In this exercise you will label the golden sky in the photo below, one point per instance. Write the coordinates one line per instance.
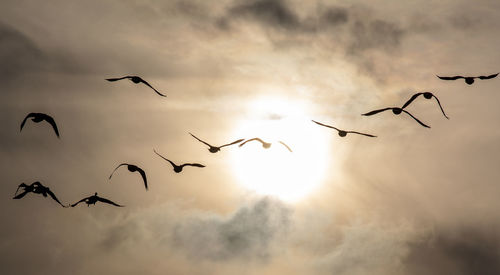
(410, 201)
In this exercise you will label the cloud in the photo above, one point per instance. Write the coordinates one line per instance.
(248, 234)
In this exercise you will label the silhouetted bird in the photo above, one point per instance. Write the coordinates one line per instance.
(133, 168)
(396, 111)
(178, 168)
(38, 117)
(37, 188)
(343, 133)
(136, 80)
(427, 95)
(215, 149)
(93, 199)
(265, 145)
(468, 79)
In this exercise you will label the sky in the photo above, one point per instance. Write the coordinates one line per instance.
(410, 201)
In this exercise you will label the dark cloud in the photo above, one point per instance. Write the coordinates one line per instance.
(248, 234)
(376, 33)
(456, 252)
(334, 16)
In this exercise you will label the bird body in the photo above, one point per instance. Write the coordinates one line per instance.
(133, 168)
(136, 80)
(215, 149)
(39, 117)
(178, 168)
(396, 111)
(93, 199)
(342, 133)
(427, 95)
(37, 188)
(468, 79)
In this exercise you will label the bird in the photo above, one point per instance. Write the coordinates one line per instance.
(265, 145)
(178, 168)
(93, 199)
(342, 133)
(38, 117)
(396, 111)
(37, 188)
(427, 95)
(215, 149)
(136, 80)
(133, 168)
(468, 79)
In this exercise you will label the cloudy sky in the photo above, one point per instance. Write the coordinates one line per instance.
(411, 201)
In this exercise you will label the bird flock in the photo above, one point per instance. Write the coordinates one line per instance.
(38, 188)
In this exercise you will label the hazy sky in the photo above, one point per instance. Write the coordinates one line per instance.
(411, 201)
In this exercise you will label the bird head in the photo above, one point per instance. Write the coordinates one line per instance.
(397, 111)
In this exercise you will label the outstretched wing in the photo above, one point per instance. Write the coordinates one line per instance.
(20, 195)
(116, 169)
(24, 120)
(193, 164)
(143, 175)
(82, 200)
(377, 111)
(55, 198)
(439, 103)
(51, 121)
(201, 140)
(171, 163)
(234, 142)
(108, 201)
(413, 97)
(19, 186)
(354, 132)
(450, 77)
(116, 79)
(287, 147)
(421, 123)
(149, 85)
(328, 126)
(488, 76)
(252, 139)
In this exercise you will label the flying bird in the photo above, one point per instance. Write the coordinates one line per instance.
(178, 168)
(427, 95)
(343, 133)
(37, 188)
(468, 79)
(136, 80)
(133, 168)
(93, 199)
(215, 149)
(396, 111)
(265, 145)
(39, 117)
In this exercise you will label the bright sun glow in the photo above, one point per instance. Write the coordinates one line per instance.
(276, 171)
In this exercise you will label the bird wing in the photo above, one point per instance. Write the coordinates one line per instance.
(116, 79)
(439, 103)
(201, 140)
(108, 201)
(116, 169)
(252, 139)
(82, 200)
(193, 164)
(173, 164)
(413, 97)
(20, 195)
(234, 142)
(143, 175)
(51, 121)
(287, 147)
(149, 85)
(328, 126)
(359, 133)
(421, 123)
(55, 198)
(20, 185)
(488, 76)
(377, 111)
(450, 77)
(24, 120)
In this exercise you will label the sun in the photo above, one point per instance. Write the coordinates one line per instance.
(275, 171)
